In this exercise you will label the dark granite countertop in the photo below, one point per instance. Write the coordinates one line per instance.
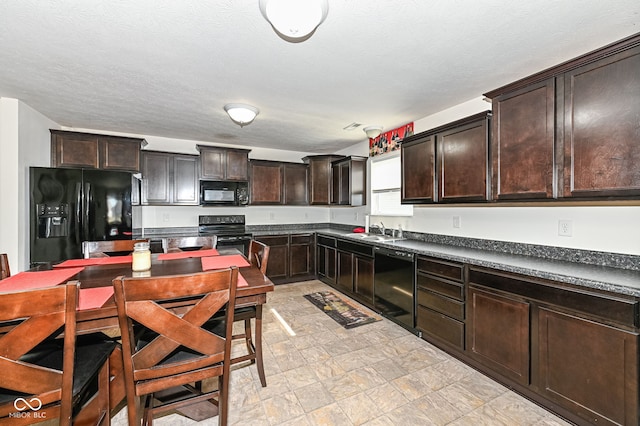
(575, 267)
(617, 280)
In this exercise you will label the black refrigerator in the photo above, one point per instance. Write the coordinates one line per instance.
(69, 206)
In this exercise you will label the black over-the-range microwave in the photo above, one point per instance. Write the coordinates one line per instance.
(223, 193)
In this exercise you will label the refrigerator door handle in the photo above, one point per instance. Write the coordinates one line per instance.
(86, 213)
(78, 219)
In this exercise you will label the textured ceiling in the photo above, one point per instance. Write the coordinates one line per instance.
(166, 67)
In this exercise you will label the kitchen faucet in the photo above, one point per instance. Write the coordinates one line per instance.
(382, 228)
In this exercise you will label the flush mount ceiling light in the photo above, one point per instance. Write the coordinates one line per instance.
(373, 131)
(294, 20)
(241, 114)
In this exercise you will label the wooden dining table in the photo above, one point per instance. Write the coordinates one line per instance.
(105, 316)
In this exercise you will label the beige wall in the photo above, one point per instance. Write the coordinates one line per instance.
(24, 142)
(25, 139)
(605, 228)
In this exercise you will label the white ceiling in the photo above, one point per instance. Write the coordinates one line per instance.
(167, 67)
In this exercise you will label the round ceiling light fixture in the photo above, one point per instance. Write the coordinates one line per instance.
(294, 20)
(241, 114)
(373, 131)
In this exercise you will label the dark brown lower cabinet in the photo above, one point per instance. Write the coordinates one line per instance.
(278, 267)
(363, 278)
(301, 256)
(344, 278)
(498, 333)
(440, 313)
(291, 257)
(346, 266)
(326, 259)
(588, 368)
(572, 349)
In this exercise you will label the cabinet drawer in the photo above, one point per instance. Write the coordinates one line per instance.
(453, 271)
(363, 249)
(280, 240)
(326, 241)
(441, 326)
(446, 288)
(302, 239)
(442, 304)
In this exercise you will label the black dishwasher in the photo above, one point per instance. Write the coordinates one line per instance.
(394, 285)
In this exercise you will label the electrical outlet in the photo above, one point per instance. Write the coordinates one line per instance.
(565, 228)
(456, 222)
(272, 215)
(166, 217)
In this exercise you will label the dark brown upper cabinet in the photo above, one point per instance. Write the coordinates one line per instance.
(169, 179)
(296, 183)
(448, 163)
(418, 158)
(265, 182)
(523, 143)
(349, 181)
(275, 182)
(88, 150)
(218, 163)
(602, 127)
(571, 131)
(320, 178)
(463, 152)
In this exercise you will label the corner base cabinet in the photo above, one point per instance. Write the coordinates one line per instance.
(572, 349)
(588, 367)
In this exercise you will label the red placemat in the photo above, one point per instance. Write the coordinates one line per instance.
(37, 279)
(72, 263)
(242, 282)
(92, 298)
(221, 262)
(186, 254)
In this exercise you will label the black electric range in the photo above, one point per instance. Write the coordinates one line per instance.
(229, 230)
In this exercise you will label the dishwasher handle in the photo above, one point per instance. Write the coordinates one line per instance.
(396, 254)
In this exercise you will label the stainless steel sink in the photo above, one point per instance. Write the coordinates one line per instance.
(373, 237)
(360, 235)
(382, 238)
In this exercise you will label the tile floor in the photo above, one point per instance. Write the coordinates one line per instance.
(375, 374)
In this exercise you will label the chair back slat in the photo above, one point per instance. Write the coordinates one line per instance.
(140, 304)
(28, 319)
(185, 335)
(108, 248)
(4, 266)
(178, 244)
(259, 255)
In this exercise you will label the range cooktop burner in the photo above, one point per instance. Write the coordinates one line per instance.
(222, 225)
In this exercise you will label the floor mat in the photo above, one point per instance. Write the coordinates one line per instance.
(344, 312)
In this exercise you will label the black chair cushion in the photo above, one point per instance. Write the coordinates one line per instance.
(146, 336)
(92, 351)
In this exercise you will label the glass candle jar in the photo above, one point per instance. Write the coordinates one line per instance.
(141, 257)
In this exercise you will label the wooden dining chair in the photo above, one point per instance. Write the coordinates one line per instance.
(45, 377)
(258, 257)
(4, 266)
(108, 248)
(178, 244)
(164, 349)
